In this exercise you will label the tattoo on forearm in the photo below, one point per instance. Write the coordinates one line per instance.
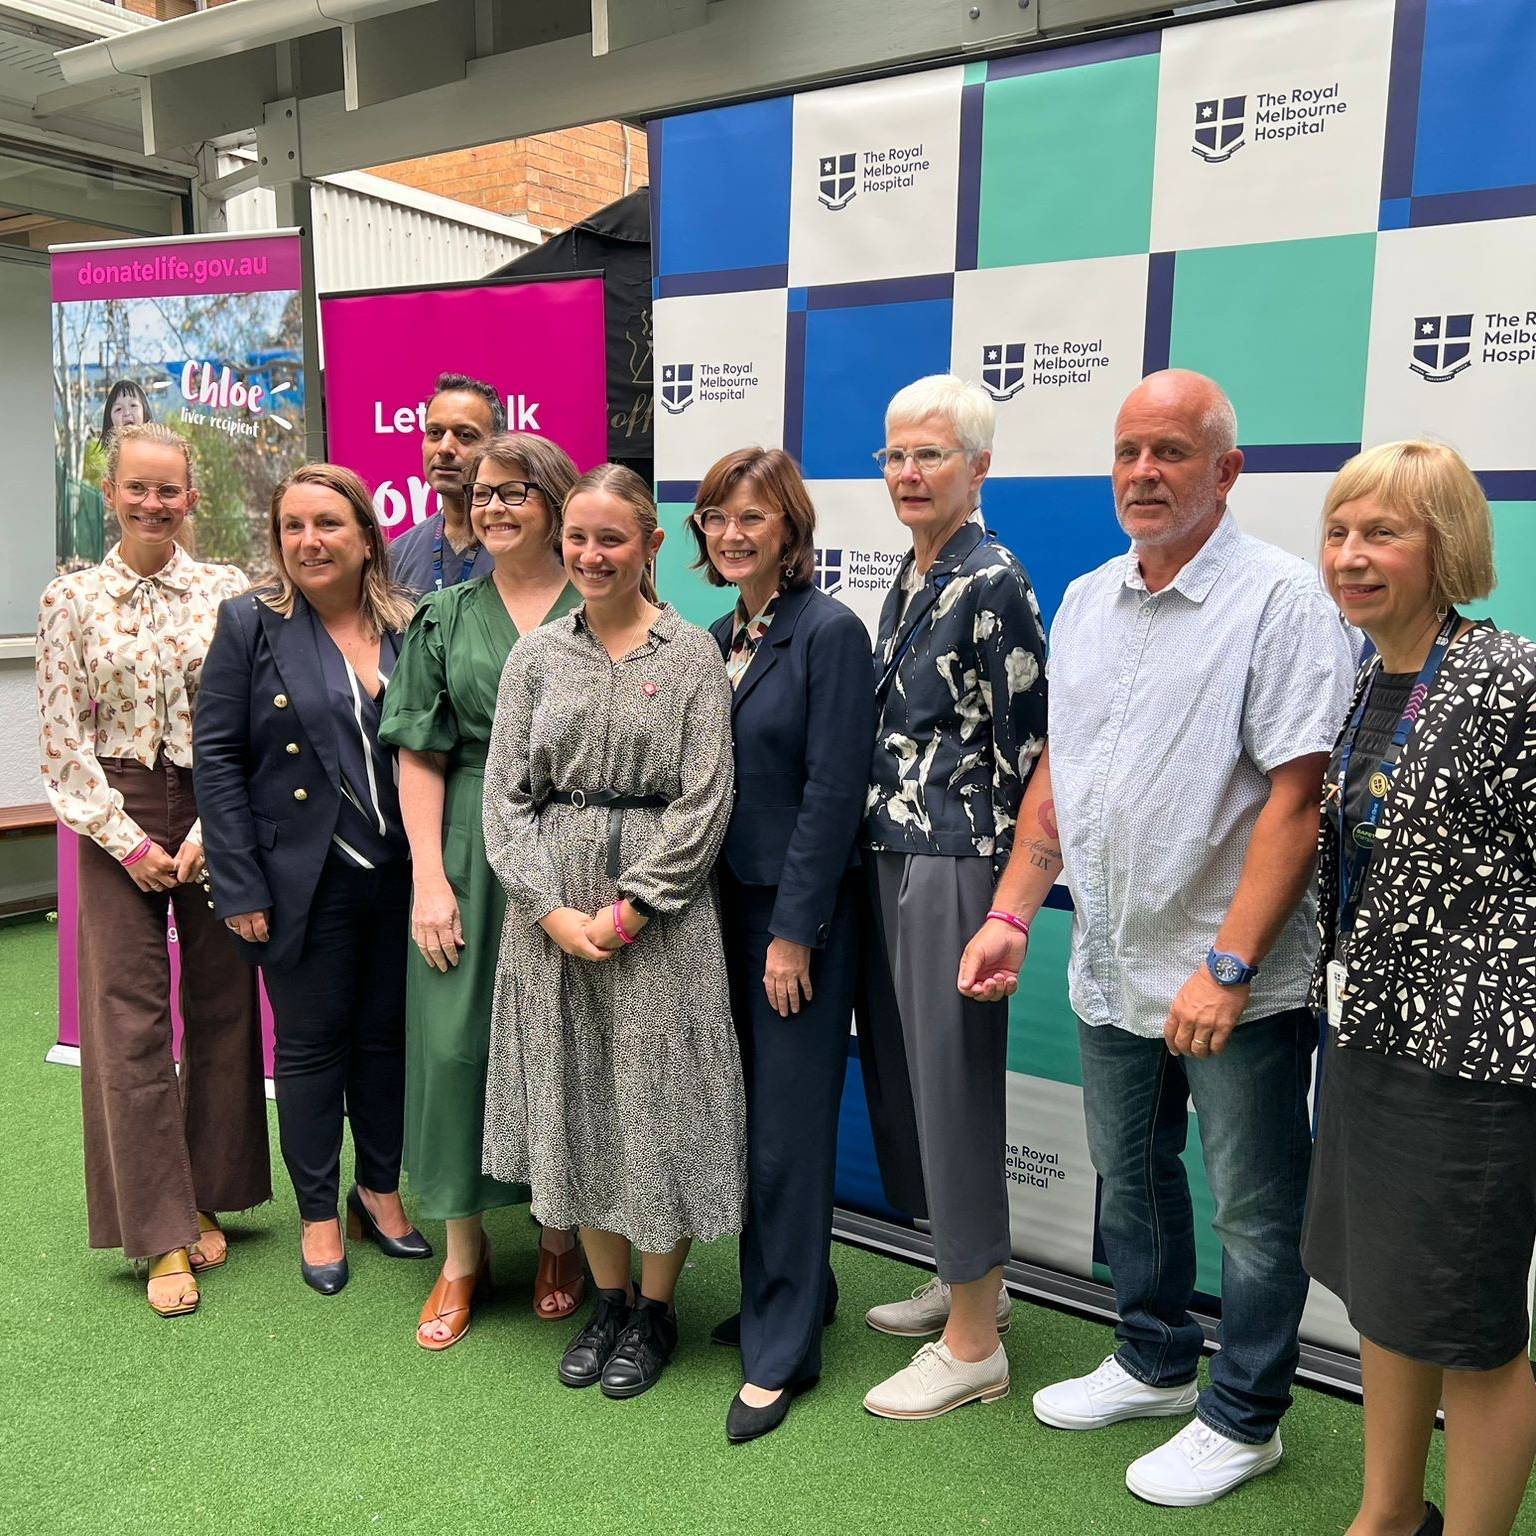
(1045, 852)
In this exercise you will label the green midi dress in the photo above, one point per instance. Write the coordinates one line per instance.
(442, 698)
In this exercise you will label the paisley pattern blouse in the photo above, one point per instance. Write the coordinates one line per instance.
(1441, 961)
(119, 657)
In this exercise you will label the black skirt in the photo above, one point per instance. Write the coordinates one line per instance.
(1421, 1216)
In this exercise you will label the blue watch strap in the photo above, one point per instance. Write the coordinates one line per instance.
(1229, 970)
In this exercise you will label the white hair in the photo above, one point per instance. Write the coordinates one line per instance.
(966, 407)
(1219, 425)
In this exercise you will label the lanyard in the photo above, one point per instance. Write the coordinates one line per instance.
(470, 557)
(1356, 846)
(888, 672)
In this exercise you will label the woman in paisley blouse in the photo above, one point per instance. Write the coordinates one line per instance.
(119, 655)
(1422, 1212)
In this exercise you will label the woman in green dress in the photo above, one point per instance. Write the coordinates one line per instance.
(441, 701)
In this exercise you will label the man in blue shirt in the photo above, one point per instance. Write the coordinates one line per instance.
(1197, 683)
(443, 551)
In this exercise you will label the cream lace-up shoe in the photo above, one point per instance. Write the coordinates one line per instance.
(935, 1382)
(927, 1312)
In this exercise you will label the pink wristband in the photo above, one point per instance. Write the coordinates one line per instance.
(995, 915)
(137, 854)
(618, 924)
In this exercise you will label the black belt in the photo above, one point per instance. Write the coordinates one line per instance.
(616, 805)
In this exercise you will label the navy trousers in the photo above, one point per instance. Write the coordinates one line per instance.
(793, 1071)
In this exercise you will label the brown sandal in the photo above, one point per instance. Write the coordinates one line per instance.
(208, 1222)
(175, 1262)
(559, 1272)
(451, 1302)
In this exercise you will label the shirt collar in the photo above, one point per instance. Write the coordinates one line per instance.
(663, 627)
(959, 544)
(1198, 575)
(759, 621)
(120, 578)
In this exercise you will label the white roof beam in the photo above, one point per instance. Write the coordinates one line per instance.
(624, 23)
(402, 52)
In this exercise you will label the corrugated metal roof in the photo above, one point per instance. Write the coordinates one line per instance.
(363, 241)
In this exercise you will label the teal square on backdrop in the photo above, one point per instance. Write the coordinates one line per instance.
(1513, 604)
(686, 590)
(1284, 328)
(1066, 164)
(1042, 1029)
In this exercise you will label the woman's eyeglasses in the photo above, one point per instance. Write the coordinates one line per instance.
(510, 493)
(713, 521)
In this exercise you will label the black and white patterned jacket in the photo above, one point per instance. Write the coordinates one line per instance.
(962, 707)
(1442, 961)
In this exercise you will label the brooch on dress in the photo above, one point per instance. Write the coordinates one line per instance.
(648, 689)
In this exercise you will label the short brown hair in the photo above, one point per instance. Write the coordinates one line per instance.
(622, 483)
(545, 463)
(776, 478)
(385, 604)
(1432, 484)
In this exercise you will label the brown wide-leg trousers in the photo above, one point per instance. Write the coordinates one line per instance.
(158, 1151)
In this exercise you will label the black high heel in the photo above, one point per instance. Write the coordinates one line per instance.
(360, 1224)
(325, 1278)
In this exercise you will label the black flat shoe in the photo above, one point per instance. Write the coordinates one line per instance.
(745, 1422)
(642, 1351)
(360, 1224)
(1433, 1523)
(728, 1332)
(587, 1354)
(325, 1278)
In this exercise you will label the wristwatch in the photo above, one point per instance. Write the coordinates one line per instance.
(644, 908)
(1229, 970)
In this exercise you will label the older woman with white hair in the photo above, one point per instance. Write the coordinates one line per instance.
(960, 689)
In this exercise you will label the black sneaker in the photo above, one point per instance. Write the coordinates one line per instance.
(587, 1354)
(642, 1351)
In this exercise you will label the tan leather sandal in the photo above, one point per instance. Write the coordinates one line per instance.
(176, 1262)
(208, 1222)
(451, 1302)
(559, 1272)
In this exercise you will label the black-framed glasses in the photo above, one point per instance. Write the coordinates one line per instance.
(927, 458)
(713, 521)
(510, 493)
(139, 490)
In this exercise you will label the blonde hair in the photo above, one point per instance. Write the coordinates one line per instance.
(623, 483)
(166, 437)
(1432, 484)
(384, 603)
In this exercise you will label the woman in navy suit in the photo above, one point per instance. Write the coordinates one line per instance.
(803, 726)
(307, 851)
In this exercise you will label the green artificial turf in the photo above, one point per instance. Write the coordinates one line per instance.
(277, 1410)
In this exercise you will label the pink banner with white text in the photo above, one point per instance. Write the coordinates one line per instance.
(540, 342)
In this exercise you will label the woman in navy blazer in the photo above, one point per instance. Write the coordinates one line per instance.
(306, 850)
(803, 726)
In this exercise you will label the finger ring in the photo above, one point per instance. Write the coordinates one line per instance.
(1202, 1041)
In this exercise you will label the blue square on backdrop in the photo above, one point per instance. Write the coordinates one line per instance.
(725, 191)
(1474, 127)
(1059, 526)
(855, 360)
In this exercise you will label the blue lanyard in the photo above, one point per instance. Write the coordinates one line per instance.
(437, 561)
(1356, 846)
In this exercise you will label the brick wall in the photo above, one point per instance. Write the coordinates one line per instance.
(553, 180)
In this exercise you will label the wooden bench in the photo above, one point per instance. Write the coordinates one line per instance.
(25, 820)
(27, 881)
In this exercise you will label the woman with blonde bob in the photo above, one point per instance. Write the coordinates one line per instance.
(1422, 1211)
(307, 849)
(120, 650)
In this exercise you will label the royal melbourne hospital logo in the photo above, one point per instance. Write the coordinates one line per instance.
(1442, 346)
(1219, 128)
(829, 570)
(676, 387)
(836, 181)
(1002, 368)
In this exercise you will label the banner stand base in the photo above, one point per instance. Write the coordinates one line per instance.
(69, 1056)
(1321, 1367)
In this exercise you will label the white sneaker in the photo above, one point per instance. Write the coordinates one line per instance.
(1106, 1396)
(927, 1312)
(1199, 1465)
(935, 1382)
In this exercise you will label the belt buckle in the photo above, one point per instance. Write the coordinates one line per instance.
(579, 799)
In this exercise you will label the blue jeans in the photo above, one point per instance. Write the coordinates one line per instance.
(1256, 1135)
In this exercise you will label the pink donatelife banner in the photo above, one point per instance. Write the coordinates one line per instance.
(540, 342)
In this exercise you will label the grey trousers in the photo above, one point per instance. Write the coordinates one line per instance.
(956, 1053)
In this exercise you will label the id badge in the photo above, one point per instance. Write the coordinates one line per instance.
(1335, 993)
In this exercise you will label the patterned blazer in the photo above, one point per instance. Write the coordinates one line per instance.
(1442, 961)
(960, 686)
